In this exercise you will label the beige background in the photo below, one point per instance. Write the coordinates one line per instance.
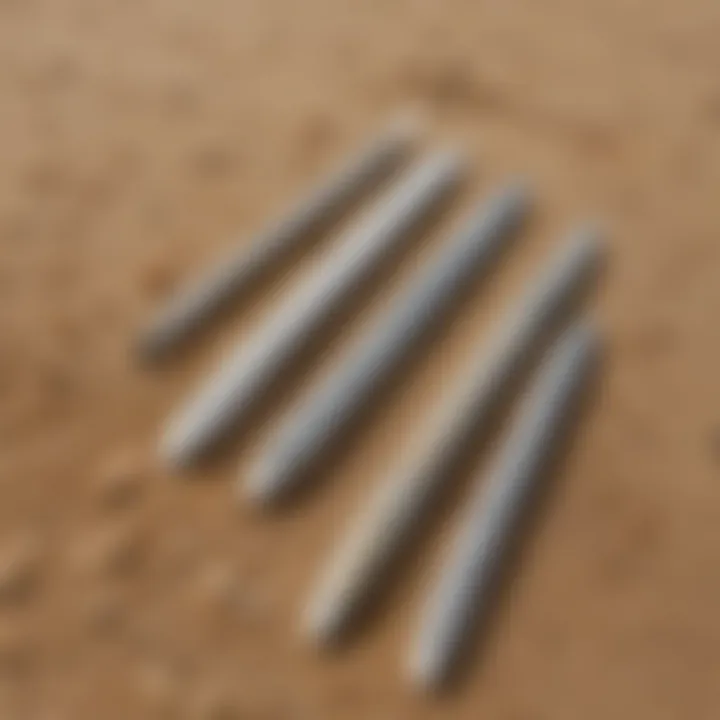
(138, 138)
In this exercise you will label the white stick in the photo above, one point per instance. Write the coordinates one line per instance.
(197, 304)
(475, 557)
(400, 502)
(312, 429)
(255, 366)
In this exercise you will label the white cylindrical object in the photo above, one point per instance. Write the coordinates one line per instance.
(196, 304)
(495, 509)
(315, 426)
(256, 365)
(399, 503)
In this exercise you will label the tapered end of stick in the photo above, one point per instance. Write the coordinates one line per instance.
(147, 350)
(426, 670)
(177, 451)
(190, 435)
(518, 192)
(409, 125)
(589, 237)
(265, 482)
(330, 611)
(319, 626)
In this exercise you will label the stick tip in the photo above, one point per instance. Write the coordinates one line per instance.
(591, 246)
(409, 124)
(452, 157)
(425, 671)
(592, 234)
(263, 482)
(516, 198)
(152, 347)
(176, 448)
(316, 626)
(520, 189)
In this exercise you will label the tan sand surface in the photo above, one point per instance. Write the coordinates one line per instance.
(138, 140)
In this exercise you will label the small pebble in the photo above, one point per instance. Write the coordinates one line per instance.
(104, 613)
(216, 584)
(254, 605)
(20, 564)
(715, 444)
(181, 97)
(180, 551)
(215, 702)
(318, 134)
(213, 161)
(46, 178)
(120, 481)
(158, 686)
(158, 279)
(712, 107)
(15, 647)
(112, 549)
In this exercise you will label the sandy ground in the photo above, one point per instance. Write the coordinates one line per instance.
(140, 138)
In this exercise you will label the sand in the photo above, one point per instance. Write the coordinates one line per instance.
(141, 139)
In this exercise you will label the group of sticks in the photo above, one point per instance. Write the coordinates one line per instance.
(545, 317)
